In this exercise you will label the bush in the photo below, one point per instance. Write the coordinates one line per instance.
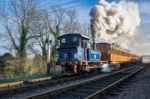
(2, 66)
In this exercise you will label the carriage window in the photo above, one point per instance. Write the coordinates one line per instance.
(84, 43)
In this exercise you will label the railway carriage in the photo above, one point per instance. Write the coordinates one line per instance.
(115, 54)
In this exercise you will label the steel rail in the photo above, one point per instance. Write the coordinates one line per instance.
(62, 89)
(101, 93)
(28, 85)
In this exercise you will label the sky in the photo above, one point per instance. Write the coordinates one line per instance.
(84, 6)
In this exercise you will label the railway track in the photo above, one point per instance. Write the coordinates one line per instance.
(92, 88)
(27, 85)
(136, 88)
(110, 89)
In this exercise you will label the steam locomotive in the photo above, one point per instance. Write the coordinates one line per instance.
(75, 54)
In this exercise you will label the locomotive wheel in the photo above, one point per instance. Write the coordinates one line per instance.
(75, 69)
(64, 69)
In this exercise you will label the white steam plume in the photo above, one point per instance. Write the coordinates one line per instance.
(106, 68)
(114, 22)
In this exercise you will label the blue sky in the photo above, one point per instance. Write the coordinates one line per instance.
(86, 5)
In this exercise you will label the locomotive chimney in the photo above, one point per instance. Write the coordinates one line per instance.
(93, 32)
(94, 45)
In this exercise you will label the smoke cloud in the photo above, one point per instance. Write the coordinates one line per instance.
(115, 22)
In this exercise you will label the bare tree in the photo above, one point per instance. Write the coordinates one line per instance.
(71, 24)
(18, 20)
(50, 26)
(85, 29)
(55, 27)
(41, 28)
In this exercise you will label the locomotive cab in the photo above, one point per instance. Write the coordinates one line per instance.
(73, 40)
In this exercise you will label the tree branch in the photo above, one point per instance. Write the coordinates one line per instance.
(34, 36)
(11, 37)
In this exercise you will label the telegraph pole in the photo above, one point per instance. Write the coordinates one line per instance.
(48, 55)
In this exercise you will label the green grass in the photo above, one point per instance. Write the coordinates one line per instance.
(34, 76)
(53, 73)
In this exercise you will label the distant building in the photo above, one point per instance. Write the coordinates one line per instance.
(146, 58)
